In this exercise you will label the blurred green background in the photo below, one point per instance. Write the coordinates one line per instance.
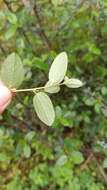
(72, 154)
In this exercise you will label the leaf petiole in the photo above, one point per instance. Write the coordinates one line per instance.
(14, 90)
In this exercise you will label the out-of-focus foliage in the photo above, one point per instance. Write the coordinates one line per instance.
(72, 154)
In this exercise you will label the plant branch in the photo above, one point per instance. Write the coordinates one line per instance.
(8, 5)
(101, 170)
(27, 89)
(42, 32)
(84, 165)
(14, 90)
(3, 50)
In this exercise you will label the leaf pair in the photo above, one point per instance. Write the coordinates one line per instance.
(41, 101)
(57, 73)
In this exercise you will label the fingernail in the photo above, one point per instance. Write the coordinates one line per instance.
(5, 97)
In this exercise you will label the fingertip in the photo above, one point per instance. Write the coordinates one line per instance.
(5, 97)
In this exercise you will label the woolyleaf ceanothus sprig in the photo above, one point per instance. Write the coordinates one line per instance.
(12, 74)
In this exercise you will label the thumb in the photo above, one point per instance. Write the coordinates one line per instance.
(5, 97)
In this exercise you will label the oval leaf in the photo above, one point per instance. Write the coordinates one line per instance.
(105, 163)
(10, 32)
(12, 18)
(72, 82)
(44, 108)
(12, 71)
(62, 160)
(58, 68)
(51, 87)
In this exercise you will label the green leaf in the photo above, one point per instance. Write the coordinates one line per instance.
(15, 183)
(55, 2)
(51, 87)
(66, 122)
(11, 17)
(40, 64)
(12, 71)
(105, 163)
(10, 32)
(104, 90)
(72, 82)
(90, 101)
(3, 157)
(62, 160)
(97, 107)
(30, 136)
(58, 68)
(27, 151)
(77, 157)
(44, 108)
(95, 50)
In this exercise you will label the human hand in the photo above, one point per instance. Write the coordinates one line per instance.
(5, 97)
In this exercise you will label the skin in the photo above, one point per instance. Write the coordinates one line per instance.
(5, 97)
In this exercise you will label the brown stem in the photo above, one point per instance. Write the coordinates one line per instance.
(84, 165)
(42, 33)
(3, 50)
(27, 39)
(8, 5)
(101, 170)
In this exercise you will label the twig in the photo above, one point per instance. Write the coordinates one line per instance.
(8, 5)
(42, 32)
(27, 89)
(14, 90)
(84, 165)
(101, 170)
(27, 40)
(3, 50)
